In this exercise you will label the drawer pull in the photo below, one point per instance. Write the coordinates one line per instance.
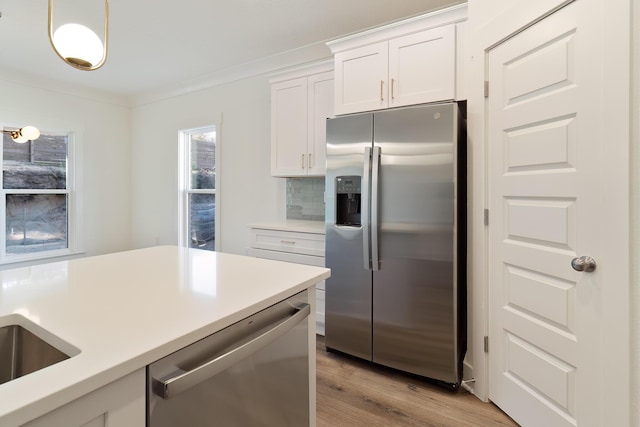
(289, 242)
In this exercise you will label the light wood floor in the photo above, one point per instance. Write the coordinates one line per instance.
(352, 392)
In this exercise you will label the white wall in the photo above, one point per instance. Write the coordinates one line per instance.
(247, 192)
(102, 126)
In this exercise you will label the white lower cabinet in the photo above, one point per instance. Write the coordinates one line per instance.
(118, 404)
(292, 246)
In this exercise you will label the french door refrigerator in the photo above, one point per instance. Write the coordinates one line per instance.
(395, 239)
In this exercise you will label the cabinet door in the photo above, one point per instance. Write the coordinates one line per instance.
(361, 79)
(289, 128)
(120, 403)
(422, 67)
(320, 107)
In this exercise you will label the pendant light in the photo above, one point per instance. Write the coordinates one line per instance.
(79, 46)
(22, 135)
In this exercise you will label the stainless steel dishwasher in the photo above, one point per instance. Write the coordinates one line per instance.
(252, 373)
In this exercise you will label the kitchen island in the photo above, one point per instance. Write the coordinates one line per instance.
(115, 314)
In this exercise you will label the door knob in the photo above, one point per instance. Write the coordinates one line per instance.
(583, 263)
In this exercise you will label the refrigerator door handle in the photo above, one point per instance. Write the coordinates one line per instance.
(375, 167)
(366, 182)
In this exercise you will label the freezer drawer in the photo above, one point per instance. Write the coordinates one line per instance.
(252, 373)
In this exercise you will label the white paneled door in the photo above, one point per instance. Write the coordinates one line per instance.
(545, 137)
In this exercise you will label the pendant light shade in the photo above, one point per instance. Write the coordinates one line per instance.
(30, 132)
(79, 46)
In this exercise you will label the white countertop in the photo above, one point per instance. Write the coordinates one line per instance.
(296, 225)
(128, 309)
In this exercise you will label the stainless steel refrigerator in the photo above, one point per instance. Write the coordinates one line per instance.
(395, 239)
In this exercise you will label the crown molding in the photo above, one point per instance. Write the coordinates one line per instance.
(303, 70)
(300, 58)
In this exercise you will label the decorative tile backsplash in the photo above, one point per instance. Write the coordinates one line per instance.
(305, 199)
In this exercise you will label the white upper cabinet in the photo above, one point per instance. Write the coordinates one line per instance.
(406, 63)
(361, 76)
(320, 108)
(289, 127)
(422, 67)
(299, 109)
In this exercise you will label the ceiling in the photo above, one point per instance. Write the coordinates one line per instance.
(156, 44)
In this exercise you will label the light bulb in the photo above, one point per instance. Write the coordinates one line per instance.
(78, 44)
(30, 132)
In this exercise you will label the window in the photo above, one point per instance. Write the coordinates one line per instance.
(198, 188)
(37, 185)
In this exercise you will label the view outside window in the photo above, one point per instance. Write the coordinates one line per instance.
(200, 194)
(36, 196)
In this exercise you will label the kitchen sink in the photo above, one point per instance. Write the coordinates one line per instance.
(23, 352)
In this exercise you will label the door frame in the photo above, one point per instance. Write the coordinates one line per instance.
(513, 18)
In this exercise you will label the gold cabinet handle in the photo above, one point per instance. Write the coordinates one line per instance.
(302, 163)
(381, 85)
(288, 242)
(310, 163)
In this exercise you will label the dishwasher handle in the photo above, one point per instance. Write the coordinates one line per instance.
(170, 387)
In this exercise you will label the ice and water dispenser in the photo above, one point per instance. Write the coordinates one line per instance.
(348, 201)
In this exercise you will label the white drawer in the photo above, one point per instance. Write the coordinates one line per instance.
(318, 261)
(288, 241)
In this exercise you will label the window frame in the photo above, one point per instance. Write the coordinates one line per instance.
(72, 193)
(184, 184)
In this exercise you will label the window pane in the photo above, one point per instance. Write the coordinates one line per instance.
(36, 222)
(39, 164)
(203, 161)
(202, 225)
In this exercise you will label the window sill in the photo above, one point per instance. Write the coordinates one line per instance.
(16, 259)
